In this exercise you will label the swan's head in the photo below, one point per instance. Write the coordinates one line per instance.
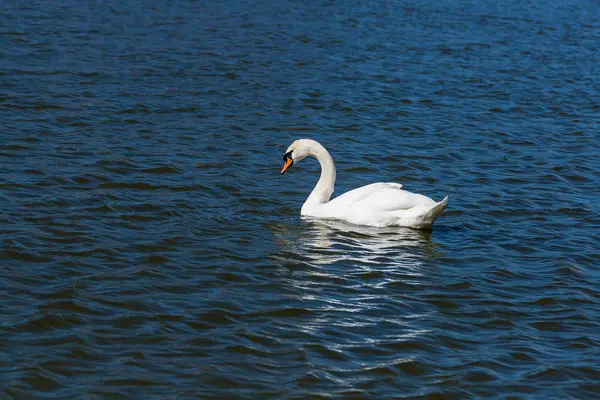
(296, 152)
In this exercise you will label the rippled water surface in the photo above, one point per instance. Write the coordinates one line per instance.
(151, 250)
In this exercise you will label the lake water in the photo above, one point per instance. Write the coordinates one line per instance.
(150, 249)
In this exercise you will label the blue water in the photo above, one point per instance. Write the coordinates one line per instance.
(151, 250)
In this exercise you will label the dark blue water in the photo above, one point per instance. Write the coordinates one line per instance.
(151, 250)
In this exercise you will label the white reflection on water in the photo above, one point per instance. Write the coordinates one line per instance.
(361, 283)
(328, 241)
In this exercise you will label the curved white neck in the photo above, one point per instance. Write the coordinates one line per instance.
(324, 188)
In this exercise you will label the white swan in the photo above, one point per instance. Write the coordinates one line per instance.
(379, 204)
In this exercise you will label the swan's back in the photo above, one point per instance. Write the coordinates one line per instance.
(381, 196)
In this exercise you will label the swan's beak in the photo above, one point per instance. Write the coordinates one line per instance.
(288, 163)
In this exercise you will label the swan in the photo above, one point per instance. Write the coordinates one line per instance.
(378, 204)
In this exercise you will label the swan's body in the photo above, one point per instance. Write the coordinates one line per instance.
(379, 204)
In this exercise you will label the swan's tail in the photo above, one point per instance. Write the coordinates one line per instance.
(425, 219)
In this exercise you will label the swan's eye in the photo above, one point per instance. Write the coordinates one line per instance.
(287, 155)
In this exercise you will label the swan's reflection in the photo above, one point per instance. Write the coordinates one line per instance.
(329, 241)
(363, 280)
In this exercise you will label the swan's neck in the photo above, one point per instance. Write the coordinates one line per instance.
(324, 189)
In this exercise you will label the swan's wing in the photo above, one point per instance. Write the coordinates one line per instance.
(361, 193)
(381, 197)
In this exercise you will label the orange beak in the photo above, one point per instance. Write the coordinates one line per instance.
(288, 163)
